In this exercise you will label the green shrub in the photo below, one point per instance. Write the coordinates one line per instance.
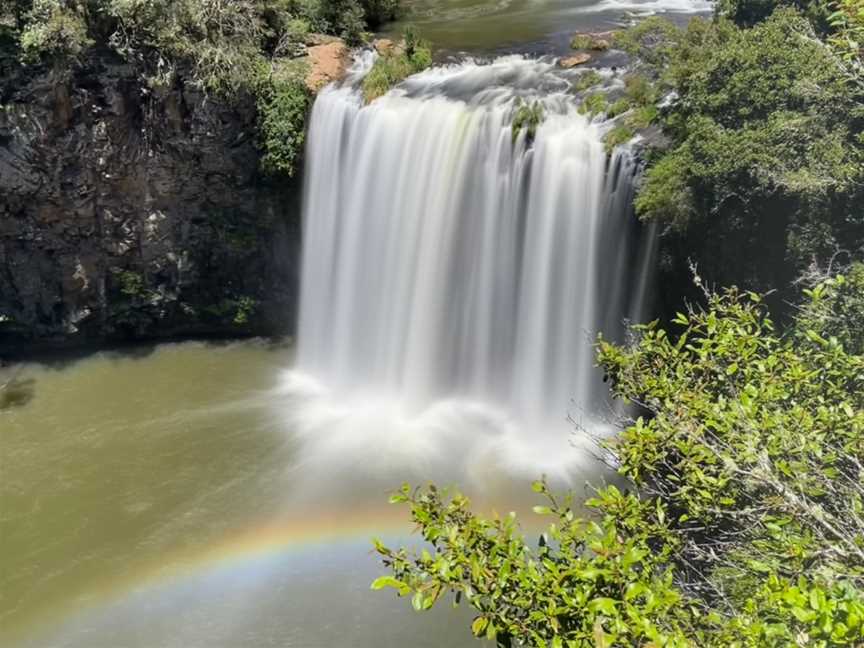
(652, 41)
(581, 41)
(292, 41)
(746, 441)
(618, 135)
(594, 104)
(527, 118)
(619, 107)
(231, 49)
(54, 30)
(587, 80)
(643, 116)
(636, 110)
(846, 23)
(131, 284)
(743, 525)
(246, 307)
(589, 583)
(751, 12)
(764, 162)
(639, 90)
(237, 311)
(378, 12)
(345, 18)
(283, 104)
(224, 42)
(836, 309)
(389, 69)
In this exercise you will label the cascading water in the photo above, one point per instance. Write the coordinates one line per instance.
(448, 260)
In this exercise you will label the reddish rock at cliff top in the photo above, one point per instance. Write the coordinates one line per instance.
(327, 63)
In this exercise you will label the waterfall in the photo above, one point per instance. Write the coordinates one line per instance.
(446, 258)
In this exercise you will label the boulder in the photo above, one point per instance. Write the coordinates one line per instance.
(383, 45)
(573, 61)
(327, 63)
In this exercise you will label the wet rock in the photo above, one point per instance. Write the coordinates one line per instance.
(573, 61)
(128, 212)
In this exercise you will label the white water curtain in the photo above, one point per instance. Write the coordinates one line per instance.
(444, 258)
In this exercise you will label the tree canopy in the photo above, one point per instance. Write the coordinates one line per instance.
(743, 522)
(763, 171)
(237, 48)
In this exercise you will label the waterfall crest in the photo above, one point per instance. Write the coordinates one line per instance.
(445, 258)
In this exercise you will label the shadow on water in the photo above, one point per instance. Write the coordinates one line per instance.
(16, 393)
(60, 358)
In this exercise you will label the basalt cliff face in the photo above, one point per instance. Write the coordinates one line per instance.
(128, 213)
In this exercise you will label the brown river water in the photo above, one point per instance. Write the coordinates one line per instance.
(204, 495)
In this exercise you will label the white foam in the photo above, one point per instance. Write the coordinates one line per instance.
(650, 7)
(372, 441)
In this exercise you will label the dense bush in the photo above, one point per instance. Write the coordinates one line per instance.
(54, 30)
(527, 118)
(836, 309)
(764, 168)
(378, 12)
(344, 18)
(744, 521)
(751, 12)
(282, 106)
(412, 55)
(351, 18)
(225, 44)
(847, 34)
(635, 110)
(232, 49)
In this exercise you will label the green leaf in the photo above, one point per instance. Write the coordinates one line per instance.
(491, 631)
(633, 590)
(815, 337)
(417, 601)
(604, 605)
(479, 626)
(389, 581)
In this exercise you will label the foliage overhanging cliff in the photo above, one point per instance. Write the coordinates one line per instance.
(762, 169)
(146, 162)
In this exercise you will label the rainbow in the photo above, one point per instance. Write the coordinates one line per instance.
(255, 546)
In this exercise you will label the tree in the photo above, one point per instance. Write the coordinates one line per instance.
(744, 521)
(236, 49)
(836, 308)
(762, 170)
(15, 10)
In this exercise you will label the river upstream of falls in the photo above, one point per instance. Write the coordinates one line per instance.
(454, 277)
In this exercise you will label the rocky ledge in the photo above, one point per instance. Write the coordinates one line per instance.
(129, 213)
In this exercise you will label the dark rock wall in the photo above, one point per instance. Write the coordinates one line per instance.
(128, 213)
